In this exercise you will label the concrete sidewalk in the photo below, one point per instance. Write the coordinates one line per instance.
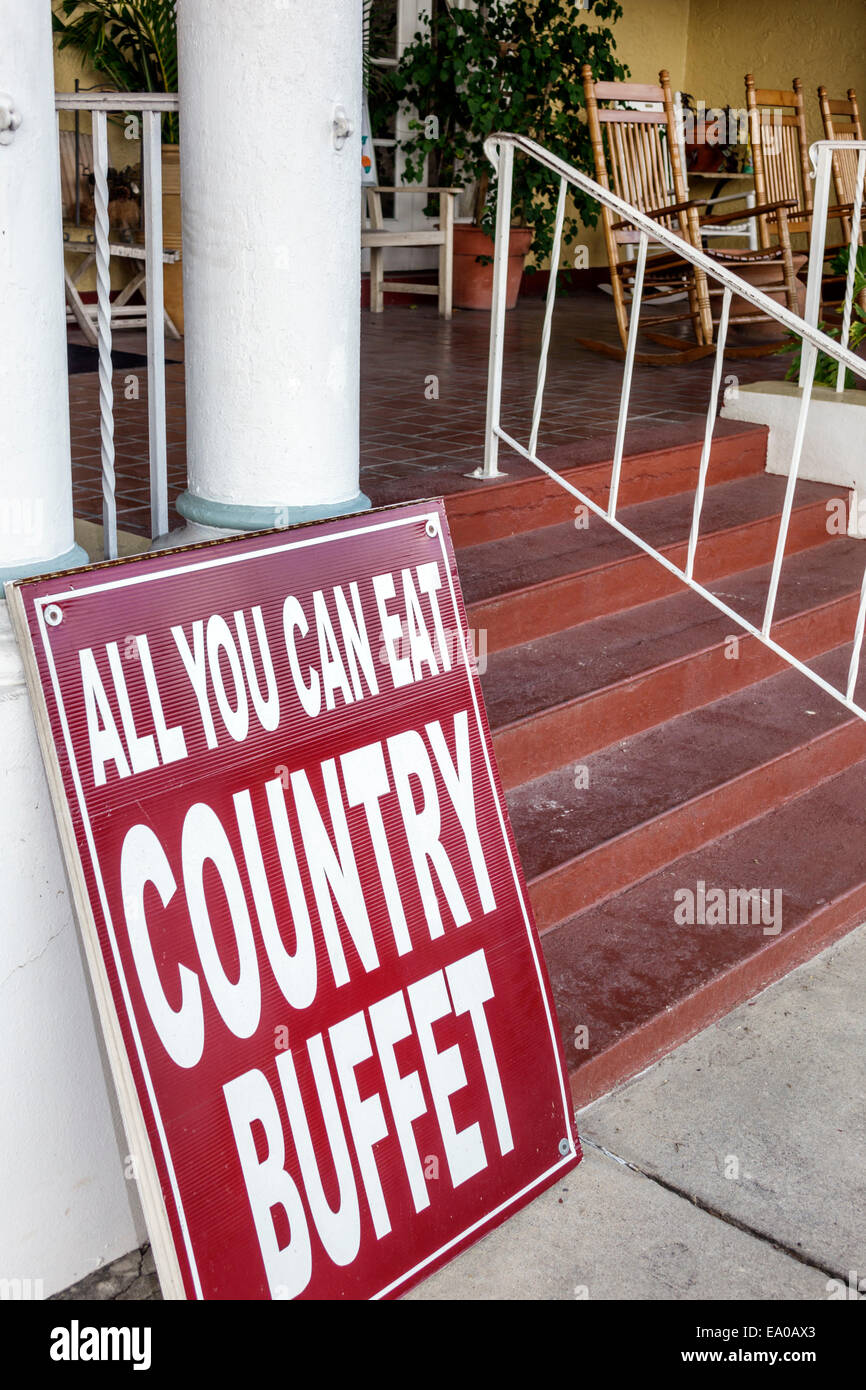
(733, 1169)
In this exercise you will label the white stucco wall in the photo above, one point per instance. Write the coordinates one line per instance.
(65, 1206)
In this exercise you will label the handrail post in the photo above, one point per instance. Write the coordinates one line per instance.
(555, 253)
(853, 247)
(491, 467)
(812, 310)
(703, 467)
(151, 163)
(810, 358)
(625, 393)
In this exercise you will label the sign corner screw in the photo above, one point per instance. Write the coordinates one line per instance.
(565, 1147)
(432, 527)
(53, 615)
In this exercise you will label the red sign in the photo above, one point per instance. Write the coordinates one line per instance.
(306, 923)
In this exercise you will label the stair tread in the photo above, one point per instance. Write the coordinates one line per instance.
(525, 498)
(522, 681)
(650, 773)
(495, 568)
(621, 963)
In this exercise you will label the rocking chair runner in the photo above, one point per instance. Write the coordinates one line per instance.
(644, 157)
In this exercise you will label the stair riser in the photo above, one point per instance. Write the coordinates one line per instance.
(615, 865)
(645, 1045)
(526, 614)
(497, 510)
(537, 744)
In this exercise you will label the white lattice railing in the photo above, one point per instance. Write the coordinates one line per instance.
(150, 107)
(501, 149)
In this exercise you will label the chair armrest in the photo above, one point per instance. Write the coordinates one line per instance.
(760, 210)
(411, 188)
(660, 212)
(725, 198)
(841, 210)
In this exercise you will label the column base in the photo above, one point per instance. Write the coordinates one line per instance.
(234, 516)
(70, 559)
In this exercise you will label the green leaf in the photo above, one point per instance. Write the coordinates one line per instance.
(509, 64)
(133, 45)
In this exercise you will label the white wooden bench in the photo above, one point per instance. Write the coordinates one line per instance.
(376, 240)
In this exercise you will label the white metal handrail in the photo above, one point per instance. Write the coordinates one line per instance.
(151, 106)
(500, 149)
(821, 156)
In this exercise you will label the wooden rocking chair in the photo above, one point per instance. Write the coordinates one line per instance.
(645, 170)
(780, 151)
(644, 157)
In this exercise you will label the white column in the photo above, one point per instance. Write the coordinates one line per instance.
(64, 1204)
(36, 486)
(271, 259)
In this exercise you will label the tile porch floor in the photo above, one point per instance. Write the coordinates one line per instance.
(415, 447)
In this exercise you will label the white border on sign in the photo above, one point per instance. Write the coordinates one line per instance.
(42, 602)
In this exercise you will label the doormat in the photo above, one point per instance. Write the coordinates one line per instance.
(83, 358)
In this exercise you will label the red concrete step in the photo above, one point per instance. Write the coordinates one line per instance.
(640, 982)
(490, 511)
(579, 690)
(592, 828)
(538, 582)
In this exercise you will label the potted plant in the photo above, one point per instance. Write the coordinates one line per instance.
(826, 367)
(511, 65)
(711, 138)
(134, 45)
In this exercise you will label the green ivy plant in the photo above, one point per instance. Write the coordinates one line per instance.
(510, 65)
(826, 367)
(133, 45)
(378, 33)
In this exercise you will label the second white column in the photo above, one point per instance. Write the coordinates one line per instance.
(271, 255)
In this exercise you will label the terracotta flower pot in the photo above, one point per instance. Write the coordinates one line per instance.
(473, 282)
(763, 274)
(704, 156)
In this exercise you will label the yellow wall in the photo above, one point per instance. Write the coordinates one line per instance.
(823, 42)
(653, 34)
(709, 45)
